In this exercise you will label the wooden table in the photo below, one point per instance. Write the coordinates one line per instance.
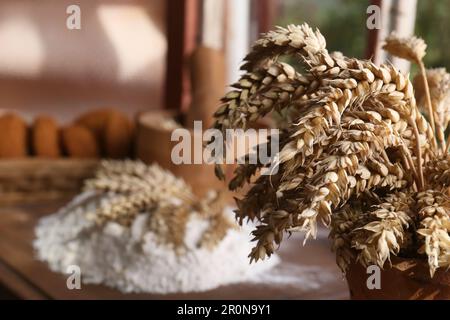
(26, 278)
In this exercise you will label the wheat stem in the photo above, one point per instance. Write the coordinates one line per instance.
(410, 162)
(421, 183)
(428, 97)
(447, 145)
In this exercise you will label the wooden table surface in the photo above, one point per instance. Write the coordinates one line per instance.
(305, 272)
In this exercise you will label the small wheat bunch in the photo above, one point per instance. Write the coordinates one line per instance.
(132, 188)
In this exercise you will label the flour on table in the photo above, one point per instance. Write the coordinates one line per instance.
(134, 260)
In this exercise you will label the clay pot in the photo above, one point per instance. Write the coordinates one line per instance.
(407, 279)
(154, 145)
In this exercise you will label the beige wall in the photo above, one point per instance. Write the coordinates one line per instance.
(117, 58)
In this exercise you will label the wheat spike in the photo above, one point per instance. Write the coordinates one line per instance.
(434, 213)
(409, 48)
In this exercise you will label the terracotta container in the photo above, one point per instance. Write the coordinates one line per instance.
(407, 279)
(154, 145)
(208, 85)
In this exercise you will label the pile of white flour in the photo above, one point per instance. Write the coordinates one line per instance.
(133, 260)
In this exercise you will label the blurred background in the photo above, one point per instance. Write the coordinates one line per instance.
(343, 24)
(119, 57)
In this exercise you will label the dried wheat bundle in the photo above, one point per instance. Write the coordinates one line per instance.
(132, 187)
(353, 153)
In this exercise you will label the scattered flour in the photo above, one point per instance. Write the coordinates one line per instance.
(133, 260)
